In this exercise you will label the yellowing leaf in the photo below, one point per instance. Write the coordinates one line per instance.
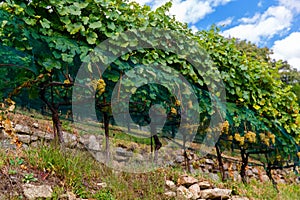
(256, 106)
(11, 108)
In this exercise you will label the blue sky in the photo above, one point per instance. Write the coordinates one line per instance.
(271, 23)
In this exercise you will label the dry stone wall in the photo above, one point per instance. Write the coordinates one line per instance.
(33, 136)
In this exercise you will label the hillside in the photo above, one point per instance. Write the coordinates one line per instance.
(72, 172)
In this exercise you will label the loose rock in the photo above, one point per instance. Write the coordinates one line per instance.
(170, 185)
(195, 190)
(184, 193)
(34, 192)
(186, 180)
(215, 193)
(204, 185)
(170, 194)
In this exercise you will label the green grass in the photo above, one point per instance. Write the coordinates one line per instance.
(81, 173)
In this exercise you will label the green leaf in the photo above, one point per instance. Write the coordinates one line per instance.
(45, 23)
(95, 25)
(92, 38)
(56, 54)
(74, 28)
(81, 5)
(74, 10)
(30, 21)
(113, 76)
(66, 20)
(85, 20)
(111, 26)
(49, 64)
(67, 58)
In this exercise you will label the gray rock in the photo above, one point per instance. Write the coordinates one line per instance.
(34, 138)
(249, 173)
(170, 185)
(138, 158)
(186, 180)
(183, 193)
(98, 155)
(195, 190)
(282, 181)
(209, 168)
(209, 161)
(205, 170)
(255, 171)
(121, 158)
(24, 138)
(226, 166)
(35, 144)
(70, 139)
(34, 192)
(22, 129)
(123, 152)
(214, 177)
(93, 144)
(236, 176)
(264, 178)
(215, 193)
(43, 135)
(102, 185)
(204, 185)
(179, 159)
(234, 166)
(170, 194)
(84, 139)
(35, 125)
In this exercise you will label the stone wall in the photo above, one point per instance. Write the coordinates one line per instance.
(33, 136)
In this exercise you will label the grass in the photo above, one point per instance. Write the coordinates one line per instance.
(82, 174)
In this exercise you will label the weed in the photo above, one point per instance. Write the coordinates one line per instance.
(12, 172)
(16, 161)
(29, 178)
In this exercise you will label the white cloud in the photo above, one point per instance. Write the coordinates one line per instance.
(275, 20)
(291, 4)
(225, 22)
(189, 11)
(216, 3)
(260, 3)
(288, 49)
(194, 29)
(253, 19)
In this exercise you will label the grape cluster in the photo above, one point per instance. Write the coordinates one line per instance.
(250, 136)
(173, 111)
(100, 86)
(239, 139)
(225, 127)
(266, 138)
(177, 103)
